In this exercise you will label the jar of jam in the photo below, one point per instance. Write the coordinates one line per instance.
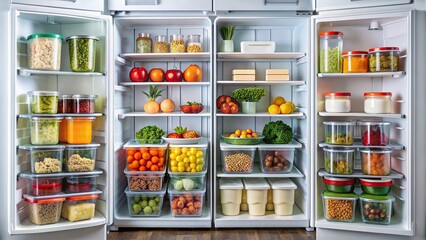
(160, 45)
(144, 43)
(194, 44)
(177, 43)
(355, 62)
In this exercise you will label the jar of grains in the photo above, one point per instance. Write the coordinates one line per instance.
(144, 43)
(160, 45)
(331, 45)
(177, 43)
(355, 61)
(194, 44)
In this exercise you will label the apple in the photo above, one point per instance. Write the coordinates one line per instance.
(234, 107)
(220, 100)
(225, 108)
(138, 74)
(174, 75)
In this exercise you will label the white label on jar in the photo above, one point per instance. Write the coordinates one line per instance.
(337, 105)
(377, 105)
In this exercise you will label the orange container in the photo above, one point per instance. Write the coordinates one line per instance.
(79, 130)
(63, 129)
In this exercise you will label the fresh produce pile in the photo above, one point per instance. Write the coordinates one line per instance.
(281, 106)
(226, 104)
(277, 133)
(181, 132)
(187, 183)
(146, 159)
(185, 159)
(242, 137)
(186, 204)
(145, 204)
(149, 134)
(192, 73)
(192, 107)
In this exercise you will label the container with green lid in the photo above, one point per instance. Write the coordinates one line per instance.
(376, 186)
(339, 185)
(82, 50)
(44, 51)
(376, 209)
(339, 207)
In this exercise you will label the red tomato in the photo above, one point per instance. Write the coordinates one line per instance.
(138, 74)
(225, 108)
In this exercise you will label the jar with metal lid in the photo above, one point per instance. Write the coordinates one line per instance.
(378, 102)
(383, 59)
(355, 61)
(194, 44)
(337, 102)
(143, 43)
(161, 45)
(177, 43)
(331, 46)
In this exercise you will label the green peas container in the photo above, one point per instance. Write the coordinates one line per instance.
(82, 50)
(331, 47)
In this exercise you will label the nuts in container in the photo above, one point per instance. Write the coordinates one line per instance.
(44, 51)
(194, 44)
(276, 161)
(44, 211)
(237, 160)
(177, 43)
(339, 207)
(161, 45)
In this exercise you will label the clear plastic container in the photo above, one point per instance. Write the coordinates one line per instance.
(339, 185)
(177, 43)
(186, 204)
(378, 187)
(84, 103)
(138, 156)
(338, 102)
(65, 104)
(79, 130)
(43, 102)
(187, 181)
(339, 207)
(376, 209)
(43, 186)
(276, 160)
(79, 208)
(145, 181)
(376, 162)
(282, 195)
(78, 184)
(44, 51)
(161, 45)
(230, 195)
(237, 160)
(63, 130)
(144, 43)
(339, 161)
(44, 130)
(355, 62)
(146, 204)
(257, 195)
(80, 158)
(383, 59)
(378, 102)
(44, 211)
(188, 158)
(194, 44)
(82, 49)
(45, 159)
(375, 133)
(339, 133)
(331, 47)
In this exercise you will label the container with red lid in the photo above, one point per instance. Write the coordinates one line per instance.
(378, 102)
(339, 185)
(330, 55)
(79, 208)
(78, 184)
(355, 62)
(42, 186)
(383, 59)
(338, 102)
(44, 211)
(376, 186)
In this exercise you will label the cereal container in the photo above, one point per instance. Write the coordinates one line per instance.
(44, 51)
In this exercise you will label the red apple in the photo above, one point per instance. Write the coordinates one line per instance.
(225, 108)
(174, 75)
(220, 100)
(138, 74)
(234, 107)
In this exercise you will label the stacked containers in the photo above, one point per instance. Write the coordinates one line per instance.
(376, 202)
(143, 204)
(237, 160)
(44, 211)
(79, 208)
(257, 195)
(282, 195)
(339, 207)
(230, 195)
(276, 160)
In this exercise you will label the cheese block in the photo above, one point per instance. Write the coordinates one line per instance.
(277, 77)
(243, 72)
(277, 71)
(239, 77)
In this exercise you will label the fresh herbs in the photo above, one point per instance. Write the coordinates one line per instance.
(150, 134)
(226, 32)
(248, 94)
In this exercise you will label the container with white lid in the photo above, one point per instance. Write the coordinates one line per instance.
(378, 102)
(282, 195)
(257, 195)
(230, 195)
(338, 102)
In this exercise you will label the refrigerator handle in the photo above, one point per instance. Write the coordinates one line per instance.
(282, 2)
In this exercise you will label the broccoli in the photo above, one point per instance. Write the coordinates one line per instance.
(149, 134)
(277, 133)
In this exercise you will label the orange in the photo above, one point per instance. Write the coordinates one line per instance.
(137, 156)
(278, 100)
(274, 109)
(149, 164)
(285, 108)
(130, 159)
(154, 160)
(142, 162)
(146, 156)
(135, 164)
(154, 168)
(142, 168)
(130, 152)
(161, 152)
(153, 152)
(193, 73)
(144, 149)
(157, 75)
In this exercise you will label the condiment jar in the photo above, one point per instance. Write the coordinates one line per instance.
(337, 102)
(177, 43)
(355, 61)
(378, 102)
(331, 47)
(383, 59)
(160, 45)
(144, 43)
(194, 44)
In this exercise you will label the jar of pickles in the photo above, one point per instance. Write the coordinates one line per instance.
(160, 45)
(355, 62)
(194, 44)
(144, 43)
(177, 43)
(383, 59)
(331, 46)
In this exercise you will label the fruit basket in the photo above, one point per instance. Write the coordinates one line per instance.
(241, 141)
(182, 140)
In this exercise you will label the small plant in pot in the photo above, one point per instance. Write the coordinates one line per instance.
(248, 97)
(227, 32)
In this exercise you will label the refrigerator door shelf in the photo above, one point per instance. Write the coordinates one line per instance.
(92, 5)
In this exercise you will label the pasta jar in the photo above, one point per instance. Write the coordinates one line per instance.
(144, 43)
(378, 102)
(355, 62)
(160, 45)
(337, 102)
(331, 46)
(194, 44)
(383, 59)
(44, 51)
(177, 43)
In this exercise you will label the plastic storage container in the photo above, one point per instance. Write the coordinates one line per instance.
(331, 47)
(257, 195)
(144, 43)
(79, 208)
(230, 195)
(376, 209)
(84, 103)
(376, 162)
(44, 211)
(78, 184)
(378, 102)
(376, 186)
(63, 130)
(145, 181)
(186, 204)
(339, 185)
(339, 207)
(80, 158)
(282, 195)
(79, 130)
(44, 130)
(339, 133)
(43, 186)
(43, 102)
(145, 204)
(383, 59)
(339, 160)
(194, 44)
(45, 159)
(187, 181)
(65, 104)
(188, 158)
(177, 43)
(237, 160)
(355, 62)
(338, 102)
(154, 153)
(82, 49)
(375, 133)
(161, 45)
(276, 160)
(44, 51)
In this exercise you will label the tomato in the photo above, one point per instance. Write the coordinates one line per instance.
(138, 74)
(174, 75)
(193, 73)
(220, 100)
(234, 107)
(156, 75)
(225, 108)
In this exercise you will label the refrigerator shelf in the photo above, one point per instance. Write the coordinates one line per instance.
(164, 83)
(258, 173)
(300, 115)
(262, 82)
(360, 114)
(62, 195)
(256, 56)
(357, 144)
(358, 174)
(28, 72)
(291, 145)
(364, 75)
(201, 56)
(62, 115)
(29, 174)
(172, 114)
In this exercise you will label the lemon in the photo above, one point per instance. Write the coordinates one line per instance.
(285, 108)
(293, 107)
(273, 109)
(278, 100)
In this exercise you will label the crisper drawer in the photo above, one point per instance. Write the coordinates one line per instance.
(264, 5)
(160, 5)
(344, 4)
(91, 5)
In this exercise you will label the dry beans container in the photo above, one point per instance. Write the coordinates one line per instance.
(177, 43)
(355, 62)
(84, 103)
(43, 102)
(383, 59)
(161, 45)
(339, 207)
(144, 181)
(44, 51)
(282, 195)
(237, 160)
(230, 195)
(44, 211)
(338, 102)
(65, 104)
(339, 160)
(194, 44)
(79, 208)
(82, 52)
(144, 43)
(276, 160)
(376, 162)
(44, 130)
(45, 158)
(331, 46)
(257, 195)
(378, 102)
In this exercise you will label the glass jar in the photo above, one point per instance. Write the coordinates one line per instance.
(177, 43)
(65, 104)
(143, 43)
(82, 49)
(337, 102)
(355, 62)
(160, 45)
(194, 44)
(43, 102)
(383, 59)
(44, 51)
(331, 46)
(378, 102)
(376, 162)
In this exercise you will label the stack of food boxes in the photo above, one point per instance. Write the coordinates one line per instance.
(244, 75)
(277, 75)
